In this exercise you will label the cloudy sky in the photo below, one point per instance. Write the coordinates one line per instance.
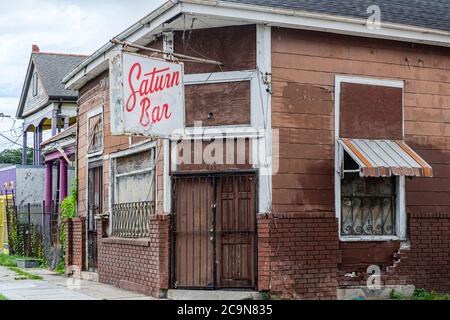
(67, 26)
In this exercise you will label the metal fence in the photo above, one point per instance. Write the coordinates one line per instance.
(33, 229)
(132, 220)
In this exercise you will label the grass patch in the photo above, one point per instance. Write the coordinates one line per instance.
(419, 294)
(11, 261)
(8, 261)
(24, 274)
(3, 298)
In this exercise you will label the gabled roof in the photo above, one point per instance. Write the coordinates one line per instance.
(434, 14)
(51, 69)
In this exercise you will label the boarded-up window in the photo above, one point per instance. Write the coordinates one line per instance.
(218, 104)
(134, 178)
(95, 134)
(371, 112)
(369, 205)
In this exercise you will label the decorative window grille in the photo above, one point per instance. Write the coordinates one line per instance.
(368, 205)
(134, 194)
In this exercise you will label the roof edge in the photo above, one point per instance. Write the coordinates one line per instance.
(260, 14)
(123, 35)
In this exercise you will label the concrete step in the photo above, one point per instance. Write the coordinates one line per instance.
(213, 295)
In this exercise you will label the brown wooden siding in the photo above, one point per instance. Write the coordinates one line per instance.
(218, 104)
(240, 161)
(234, 46)
(304, 68)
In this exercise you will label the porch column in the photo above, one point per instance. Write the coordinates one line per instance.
(48, 185)
(36, 146)
(62, 179)
(24, 147)
(66, 122)
(54, 122)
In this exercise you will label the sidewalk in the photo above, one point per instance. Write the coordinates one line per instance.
(56, 287)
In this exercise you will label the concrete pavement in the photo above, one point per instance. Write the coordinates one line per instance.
(56, 287)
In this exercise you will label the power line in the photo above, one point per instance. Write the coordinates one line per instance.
(15, 142)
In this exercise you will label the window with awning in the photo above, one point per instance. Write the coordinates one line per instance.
(372, 159)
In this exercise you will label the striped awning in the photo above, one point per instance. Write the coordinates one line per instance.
(385, 158)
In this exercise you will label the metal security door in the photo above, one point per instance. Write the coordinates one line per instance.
(95, 206)
(214, 232)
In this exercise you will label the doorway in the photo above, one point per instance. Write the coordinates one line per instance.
(214, 231)
(95, 207)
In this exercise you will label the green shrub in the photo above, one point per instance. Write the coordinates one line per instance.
(68, 210)
(8, 261)
(422, 294)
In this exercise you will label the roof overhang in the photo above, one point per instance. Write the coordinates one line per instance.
(177, 14)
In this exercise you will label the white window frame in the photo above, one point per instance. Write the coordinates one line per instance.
(34, 84)
(91, 114)
(112, 170)
(400, 207)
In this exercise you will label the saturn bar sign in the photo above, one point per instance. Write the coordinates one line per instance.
(146, 95)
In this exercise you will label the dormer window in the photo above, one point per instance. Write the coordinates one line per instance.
(34, 84)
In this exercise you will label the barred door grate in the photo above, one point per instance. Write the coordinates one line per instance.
(214, 232)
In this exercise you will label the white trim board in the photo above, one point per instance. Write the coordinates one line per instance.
(400, 207)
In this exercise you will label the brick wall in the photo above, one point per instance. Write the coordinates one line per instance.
(140, 265)
(298, 255)
(426, 263)
(75, 243)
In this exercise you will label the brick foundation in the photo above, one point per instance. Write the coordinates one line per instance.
(426, 263)
(140, 265)
(298, 255)
(75, 244)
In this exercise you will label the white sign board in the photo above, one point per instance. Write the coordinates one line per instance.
(147, 96)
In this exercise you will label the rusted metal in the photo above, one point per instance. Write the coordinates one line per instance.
(385, 158)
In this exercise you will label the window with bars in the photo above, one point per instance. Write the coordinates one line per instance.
(133, 194)
(369, 184)
(368, 205)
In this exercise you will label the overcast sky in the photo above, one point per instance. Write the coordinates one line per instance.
(66, 26)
